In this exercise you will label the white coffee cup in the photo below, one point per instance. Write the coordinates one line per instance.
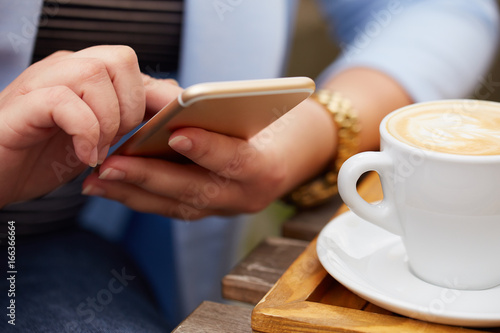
(439, 167)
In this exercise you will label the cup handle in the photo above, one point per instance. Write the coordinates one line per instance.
(383, 213)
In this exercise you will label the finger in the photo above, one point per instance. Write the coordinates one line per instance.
(51, 57)
(89, 79)
(123, 69)
(58, 54)
(34, 115)
(107, 78)
(159, 92)
(261, 174)
(226, 156)
(190, 184)
(139, 199)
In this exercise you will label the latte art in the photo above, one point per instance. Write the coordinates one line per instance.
(475, 132)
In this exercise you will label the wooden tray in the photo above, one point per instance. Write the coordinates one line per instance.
(307, 299)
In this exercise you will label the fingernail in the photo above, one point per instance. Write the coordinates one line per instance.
(112, 174)
(102, 154)
(181, 143)
(93, 190)
(93, 157)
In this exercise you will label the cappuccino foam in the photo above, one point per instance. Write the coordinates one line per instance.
(453, 131)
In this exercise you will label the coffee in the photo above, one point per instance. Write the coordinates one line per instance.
(460, 130)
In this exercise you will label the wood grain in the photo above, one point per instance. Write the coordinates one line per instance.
(252, 278)
(212, 317)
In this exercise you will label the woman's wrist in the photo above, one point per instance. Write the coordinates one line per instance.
(345, 119)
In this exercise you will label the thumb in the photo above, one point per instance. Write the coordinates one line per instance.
(159, 92)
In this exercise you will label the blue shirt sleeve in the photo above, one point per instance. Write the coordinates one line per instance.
(435, 49)
(18, 28)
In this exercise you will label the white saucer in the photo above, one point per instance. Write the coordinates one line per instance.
(372, 263)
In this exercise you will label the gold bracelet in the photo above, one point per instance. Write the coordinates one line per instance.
(321, 189)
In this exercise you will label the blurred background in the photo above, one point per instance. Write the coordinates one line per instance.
(312, 41)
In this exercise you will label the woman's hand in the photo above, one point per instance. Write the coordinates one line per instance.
(228, 176)
(62, 114)
(231, 176)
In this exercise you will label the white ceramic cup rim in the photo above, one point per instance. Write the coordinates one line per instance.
(435, 154)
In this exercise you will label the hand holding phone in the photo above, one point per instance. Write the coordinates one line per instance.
(235, 108)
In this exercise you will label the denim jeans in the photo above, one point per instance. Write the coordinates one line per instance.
(73, 281)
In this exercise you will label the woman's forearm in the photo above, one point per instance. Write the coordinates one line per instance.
(373, 95)
(310, 139)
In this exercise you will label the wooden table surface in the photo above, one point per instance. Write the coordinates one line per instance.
(293, 291)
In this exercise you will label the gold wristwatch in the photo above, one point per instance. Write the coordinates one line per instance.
(320, 189)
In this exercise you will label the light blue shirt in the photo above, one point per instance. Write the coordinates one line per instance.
(18, 29)
(436, 49)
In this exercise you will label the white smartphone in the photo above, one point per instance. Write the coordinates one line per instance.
(235, 108)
